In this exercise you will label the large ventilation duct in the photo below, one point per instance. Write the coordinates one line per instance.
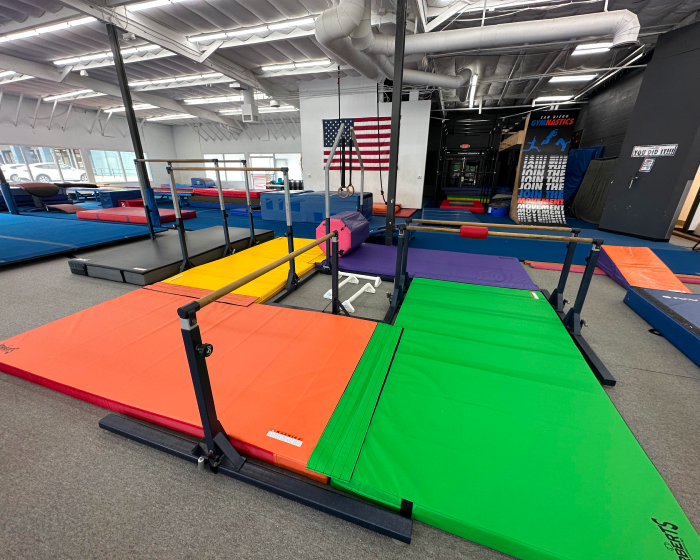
(363, 36)
(623, 25)
(333, 29)
(346, 32)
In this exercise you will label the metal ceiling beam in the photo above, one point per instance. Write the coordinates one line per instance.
(159, 34)
(47, 19)
(50, 73)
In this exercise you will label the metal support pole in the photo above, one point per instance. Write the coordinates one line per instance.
(215, 437)
(150, 210)
(186, 263)
(557, 300)
(247, 201)
(292, 278)
(338, 136)
(396, 294)
(399, 44)
(224, 216)
(573, 317)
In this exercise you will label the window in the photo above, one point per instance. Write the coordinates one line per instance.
(233, 160)
(129, 165)
(293, 162)
(107, 166)
(261, 178)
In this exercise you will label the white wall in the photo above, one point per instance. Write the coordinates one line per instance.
(358, 99)
(157, 139)
(189, 144)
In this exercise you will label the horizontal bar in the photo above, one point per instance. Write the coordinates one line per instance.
(228, 288)
(497, 226)
(514, 235)
(227, 169)
(190, 160)
(345, 507)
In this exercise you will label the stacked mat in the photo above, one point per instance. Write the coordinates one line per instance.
(216, 274)
(476, 413)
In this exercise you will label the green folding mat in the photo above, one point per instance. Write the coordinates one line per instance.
(488, 420)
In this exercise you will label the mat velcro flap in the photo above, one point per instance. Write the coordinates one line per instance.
(339, 447)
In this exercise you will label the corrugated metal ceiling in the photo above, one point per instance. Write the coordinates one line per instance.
(204, 16)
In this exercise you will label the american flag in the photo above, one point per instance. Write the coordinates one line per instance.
(373, 149)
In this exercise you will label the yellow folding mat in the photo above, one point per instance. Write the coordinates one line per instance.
(216, 274)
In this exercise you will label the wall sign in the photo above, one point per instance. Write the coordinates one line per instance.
(655, 151)
(540, 196)
(647, 164)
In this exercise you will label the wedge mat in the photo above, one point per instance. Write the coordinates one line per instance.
(492, 426)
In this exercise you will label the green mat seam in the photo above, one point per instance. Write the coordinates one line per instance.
(337, 452)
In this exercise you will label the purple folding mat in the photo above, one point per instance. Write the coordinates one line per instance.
(466, 268)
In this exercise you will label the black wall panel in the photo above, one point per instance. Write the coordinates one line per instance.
(604, 120)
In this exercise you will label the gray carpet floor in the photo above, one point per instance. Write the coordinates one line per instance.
(71, 490)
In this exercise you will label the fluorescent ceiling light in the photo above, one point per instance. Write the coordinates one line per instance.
(221, 99)
(107, 54)
(285, 109)
(17, 78)
(312, 63)
(152, 4)
(260, 29)
(69, 94)
(46, 29)
(553, 98)
(172, 117)
(291, 23)
(293, 65)
(576, 78)
(472, 89)
(138, 107)
(276, 67)
(592, 48)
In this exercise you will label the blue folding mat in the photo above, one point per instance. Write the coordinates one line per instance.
(28, 237)
(675, 315)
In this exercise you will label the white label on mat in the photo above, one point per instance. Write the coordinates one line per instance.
(535, 295)
(285, 438)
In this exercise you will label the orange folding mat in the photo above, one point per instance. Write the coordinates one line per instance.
(276, 373)
(639, 267)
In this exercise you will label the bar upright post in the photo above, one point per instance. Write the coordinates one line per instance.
(186, 263)
(224, 215)
(556, 299)
(250, 209)
(292, 278)
(573, 317)
(335, 306)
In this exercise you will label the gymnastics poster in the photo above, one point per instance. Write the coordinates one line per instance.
(540, 178)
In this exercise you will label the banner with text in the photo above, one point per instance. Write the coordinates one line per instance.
(540, 198)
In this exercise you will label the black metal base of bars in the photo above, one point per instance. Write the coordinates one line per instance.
(339, 505)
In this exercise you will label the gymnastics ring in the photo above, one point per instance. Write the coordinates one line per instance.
(350, 190)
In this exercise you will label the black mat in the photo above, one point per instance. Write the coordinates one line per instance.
(147, 261)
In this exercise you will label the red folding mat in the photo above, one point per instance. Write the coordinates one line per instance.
(274, 371)
(131, 215)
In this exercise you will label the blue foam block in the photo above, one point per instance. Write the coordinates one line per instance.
(675, 315)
